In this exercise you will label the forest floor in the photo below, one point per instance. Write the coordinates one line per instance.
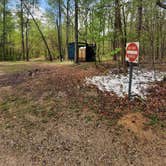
(49, 116)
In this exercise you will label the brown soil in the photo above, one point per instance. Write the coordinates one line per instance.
(48, 116)
(136, 123)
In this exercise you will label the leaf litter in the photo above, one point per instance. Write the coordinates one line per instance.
(51, 118)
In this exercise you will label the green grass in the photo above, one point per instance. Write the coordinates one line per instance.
(14, 67)
(153, 120)
(20, 66)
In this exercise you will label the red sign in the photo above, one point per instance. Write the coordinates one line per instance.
(132, 52)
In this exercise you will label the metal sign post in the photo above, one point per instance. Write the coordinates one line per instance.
(132, 54)
(130, 79)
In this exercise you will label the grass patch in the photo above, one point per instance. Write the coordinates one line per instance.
(14, 67)
(154, 120)
(4, 106)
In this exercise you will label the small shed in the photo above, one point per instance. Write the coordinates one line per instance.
(87, 52)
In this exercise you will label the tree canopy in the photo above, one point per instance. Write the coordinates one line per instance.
(35, 30)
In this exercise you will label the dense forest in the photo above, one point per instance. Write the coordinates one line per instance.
(29, 29)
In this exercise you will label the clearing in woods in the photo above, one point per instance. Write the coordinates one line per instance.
(48, 116)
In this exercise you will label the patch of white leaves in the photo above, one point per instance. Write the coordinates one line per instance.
(119, 83)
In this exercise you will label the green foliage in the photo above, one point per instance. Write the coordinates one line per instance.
(96, 25)
(116, 51)
(153, 120)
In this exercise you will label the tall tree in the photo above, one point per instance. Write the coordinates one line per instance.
(67, 27)
(119, 40)
(139, 24)
(4, 30)
(59, 27)
(22, 29)
(40, 31)
(31, 4)
(55, 10)
(27, 38)
(76, 32)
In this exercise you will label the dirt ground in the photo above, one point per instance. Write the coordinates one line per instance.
(49, 116)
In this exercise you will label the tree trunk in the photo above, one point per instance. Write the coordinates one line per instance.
(27, 42)
(139, 24)
(60, 31)
(76, 32)
(41, 33)
(67, 28)
(86, 24)
(22, 31)
(103, 38)
(4, 31)
(124, 24)
(118, 31)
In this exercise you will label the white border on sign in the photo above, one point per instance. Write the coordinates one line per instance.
(126, 58)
